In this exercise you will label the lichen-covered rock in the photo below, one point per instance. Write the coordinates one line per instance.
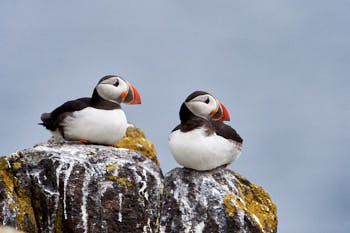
(215, 201)
(135, 139)
(70, 187)
(9, 230)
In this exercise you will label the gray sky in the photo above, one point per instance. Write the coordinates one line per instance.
(280, 67)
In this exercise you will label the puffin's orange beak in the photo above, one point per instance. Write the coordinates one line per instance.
(220, 114)
(133, 96)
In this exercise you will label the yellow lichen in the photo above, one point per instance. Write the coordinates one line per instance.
(167, 193)
(3, 163)
(135, 139)
(121, 180)
(16, 165)
(15, 182)
(232, 204)
(255, 202)
(24, 209)
(11, 206)
(18, 199)
(7, 178)
(111, 167)
(59, 219)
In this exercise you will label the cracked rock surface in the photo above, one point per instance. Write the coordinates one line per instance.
(71, 187)
(215, 201)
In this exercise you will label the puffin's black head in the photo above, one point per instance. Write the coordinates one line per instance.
(204, 105)
(117, 90)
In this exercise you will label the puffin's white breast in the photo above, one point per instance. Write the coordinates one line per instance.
(96, 125)
(195, 149)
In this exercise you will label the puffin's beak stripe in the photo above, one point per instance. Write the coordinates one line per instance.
(124, 94)
(225, 116)
(221, 113)
(133, 96)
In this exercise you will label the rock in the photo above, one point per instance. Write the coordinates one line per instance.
(136, 140)
(215, 201)
(63, 186)
(9, 230)
(71, 187)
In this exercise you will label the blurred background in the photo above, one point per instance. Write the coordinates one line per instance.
(282, 69)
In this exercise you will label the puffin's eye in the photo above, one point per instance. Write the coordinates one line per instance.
(116, 83)
(207, 101)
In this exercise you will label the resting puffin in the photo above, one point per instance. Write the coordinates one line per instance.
(98, 119)
(202, 141)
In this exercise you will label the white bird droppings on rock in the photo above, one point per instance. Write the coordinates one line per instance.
(75, 191)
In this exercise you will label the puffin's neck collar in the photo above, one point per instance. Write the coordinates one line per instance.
(98, 102)
(186, 115)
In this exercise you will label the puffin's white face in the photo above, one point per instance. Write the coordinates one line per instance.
(202, 106)
(117, 90)
(207, 107)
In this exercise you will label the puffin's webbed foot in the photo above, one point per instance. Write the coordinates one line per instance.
(84, 141)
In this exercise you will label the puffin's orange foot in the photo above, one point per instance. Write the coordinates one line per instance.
(84, 141)
(225, 165)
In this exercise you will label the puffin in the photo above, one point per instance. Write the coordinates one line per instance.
(202, 141)
(95, 120)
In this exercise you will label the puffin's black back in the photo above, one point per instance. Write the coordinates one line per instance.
(50, 120)
(226, 131)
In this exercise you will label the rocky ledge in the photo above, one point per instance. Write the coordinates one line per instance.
(215, 201)
(71, 187)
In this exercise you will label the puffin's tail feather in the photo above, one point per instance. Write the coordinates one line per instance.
(47, 121)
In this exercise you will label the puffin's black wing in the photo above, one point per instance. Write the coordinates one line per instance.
(226, 131)
(176, 128)
(192, 124)
(51, 120)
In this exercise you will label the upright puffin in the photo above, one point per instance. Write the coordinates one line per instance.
(98, 119)
(202, 141)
